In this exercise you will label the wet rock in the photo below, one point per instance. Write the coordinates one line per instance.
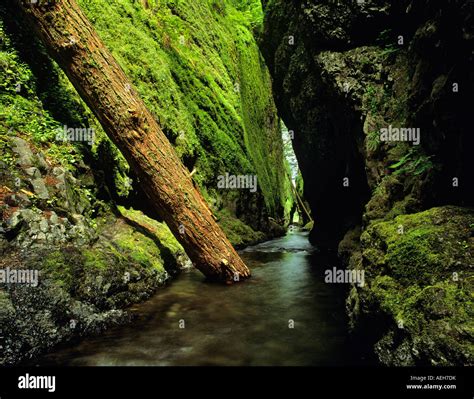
(11, 200)
(18, 200)
(30, 215)
(343, 79)
(418, 287)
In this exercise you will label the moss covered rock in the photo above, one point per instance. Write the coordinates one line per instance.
(343, 71)
(200, 71)
(419, 284)
(67, 208)
(83, 289)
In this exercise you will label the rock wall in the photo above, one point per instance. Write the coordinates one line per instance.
(342, 72)
(200, 71)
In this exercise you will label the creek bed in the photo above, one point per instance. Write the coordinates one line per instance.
(284, 315)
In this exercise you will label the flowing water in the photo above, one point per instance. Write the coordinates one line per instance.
(284, 315)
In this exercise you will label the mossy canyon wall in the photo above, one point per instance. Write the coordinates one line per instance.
(75, 212)
(343, 71)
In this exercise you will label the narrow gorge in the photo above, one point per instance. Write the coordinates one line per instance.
(400, 209)
(374, 97)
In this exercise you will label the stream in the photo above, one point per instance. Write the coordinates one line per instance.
(285, 315)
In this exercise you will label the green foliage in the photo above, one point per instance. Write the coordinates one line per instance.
(6, 151)
(385, 37)
(372, 102)
(376, 98)
(199, 70)
(390, 50)
(197, 67)
(22, 112)
(388, 41)
(253, 11)
(238, 232)
(300, 184)
(413, 162)
(373, 140)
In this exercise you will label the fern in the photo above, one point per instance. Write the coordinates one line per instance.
(413, 162)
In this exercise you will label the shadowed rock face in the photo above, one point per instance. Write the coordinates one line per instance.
(354, 69)
(342, 72)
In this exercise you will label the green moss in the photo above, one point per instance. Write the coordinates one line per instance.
(57, 267)
(238, 232)
(414, 256)
(6, 306)
(95, 259)
(30, 111)
(416, 248)
(431, 310)
(160, 230)
(199, 70)
(136, 243)
(419, 274)
(141, 249)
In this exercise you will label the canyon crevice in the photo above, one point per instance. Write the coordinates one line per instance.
(341, 74)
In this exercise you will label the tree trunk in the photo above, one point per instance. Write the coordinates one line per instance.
(72, 41)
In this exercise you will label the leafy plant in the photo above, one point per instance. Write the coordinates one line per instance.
(413, 162)
(389, 50)
(373, 141)
(386, 40)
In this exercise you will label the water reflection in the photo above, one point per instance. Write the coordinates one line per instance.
(245, 324)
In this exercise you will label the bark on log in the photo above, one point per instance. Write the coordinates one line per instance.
(72, 41)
